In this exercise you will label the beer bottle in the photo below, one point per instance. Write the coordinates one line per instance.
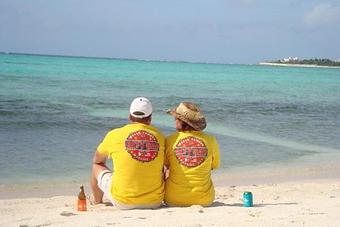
(81, 204)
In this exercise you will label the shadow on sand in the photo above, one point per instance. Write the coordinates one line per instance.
(218, 204)
(261, 205)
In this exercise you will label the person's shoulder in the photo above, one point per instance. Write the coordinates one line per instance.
(157, 131)
(114, 131)
(153, 128)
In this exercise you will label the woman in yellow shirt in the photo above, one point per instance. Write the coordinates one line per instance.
(191, 154)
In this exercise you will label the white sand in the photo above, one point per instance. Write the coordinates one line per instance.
(297, 65)
(302, 203)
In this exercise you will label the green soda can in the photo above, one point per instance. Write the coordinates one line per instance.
(247, 199)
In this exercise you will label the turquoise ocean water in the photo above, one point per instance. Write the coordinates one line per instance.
(55, 110)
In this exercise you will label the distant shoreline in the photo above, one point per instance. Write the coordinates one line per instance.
(117, 58)
(297, 65)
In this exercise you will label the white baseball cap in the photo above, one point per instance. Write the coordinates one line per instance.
(141, 107)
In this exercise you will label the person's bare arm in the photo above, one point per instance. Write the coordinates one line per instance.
(99, 159)
(98, 165)
(166, 172)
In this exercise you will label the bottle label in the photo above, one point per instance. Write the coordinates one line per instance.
(81, 205)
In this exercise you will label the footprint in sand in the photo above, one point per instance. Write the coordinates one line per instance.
(256, 214)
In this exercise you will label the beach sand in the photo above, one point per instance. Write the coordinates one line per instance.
(299, 203)
(297, 65)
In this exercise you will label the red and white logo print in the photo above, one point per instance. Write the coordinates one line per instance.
(191, 151)
(142, 146)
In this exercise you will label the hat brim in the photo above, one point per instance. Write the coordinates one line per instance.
(197, 125)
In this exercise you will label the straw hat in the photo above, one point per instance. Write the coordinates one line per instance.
(190, 114)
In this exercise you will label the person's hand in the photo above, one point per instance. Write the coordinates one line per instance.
(166, 172)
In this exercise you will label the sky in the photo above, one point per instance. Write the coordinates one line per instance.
(215, 31)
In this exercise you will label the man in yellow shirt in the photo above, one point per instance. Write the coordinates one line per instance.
(137, 152)
(191, 154)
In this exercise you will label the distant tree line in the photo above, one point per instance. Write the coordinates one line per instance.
(315, 61)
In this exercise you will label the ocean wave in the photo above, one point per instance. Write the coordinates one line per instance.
(41, 123)
(266, 108)
(23, 63)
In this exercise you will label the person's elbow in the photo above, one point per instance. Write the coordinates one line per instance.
(99, 159)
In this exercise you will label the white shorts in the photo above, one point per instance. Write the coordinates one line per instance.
(104, 180)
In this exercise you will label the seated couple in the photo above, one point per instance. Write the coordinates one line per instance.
(142, 157)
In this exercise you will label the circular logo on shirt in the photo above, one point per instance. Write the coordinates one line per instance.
(191, 151)
(142, 146)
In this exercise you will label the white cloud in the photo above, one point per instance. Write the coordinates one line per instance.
(322, 15)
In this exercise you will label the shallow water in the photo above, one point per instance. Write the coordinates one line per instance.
(55, 110)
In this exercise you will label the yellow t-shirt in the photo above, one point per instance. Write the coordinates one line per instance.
(191, 156)
(137, 152)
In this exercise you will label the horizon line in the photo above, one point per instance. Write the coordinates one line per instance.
(126, 59)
